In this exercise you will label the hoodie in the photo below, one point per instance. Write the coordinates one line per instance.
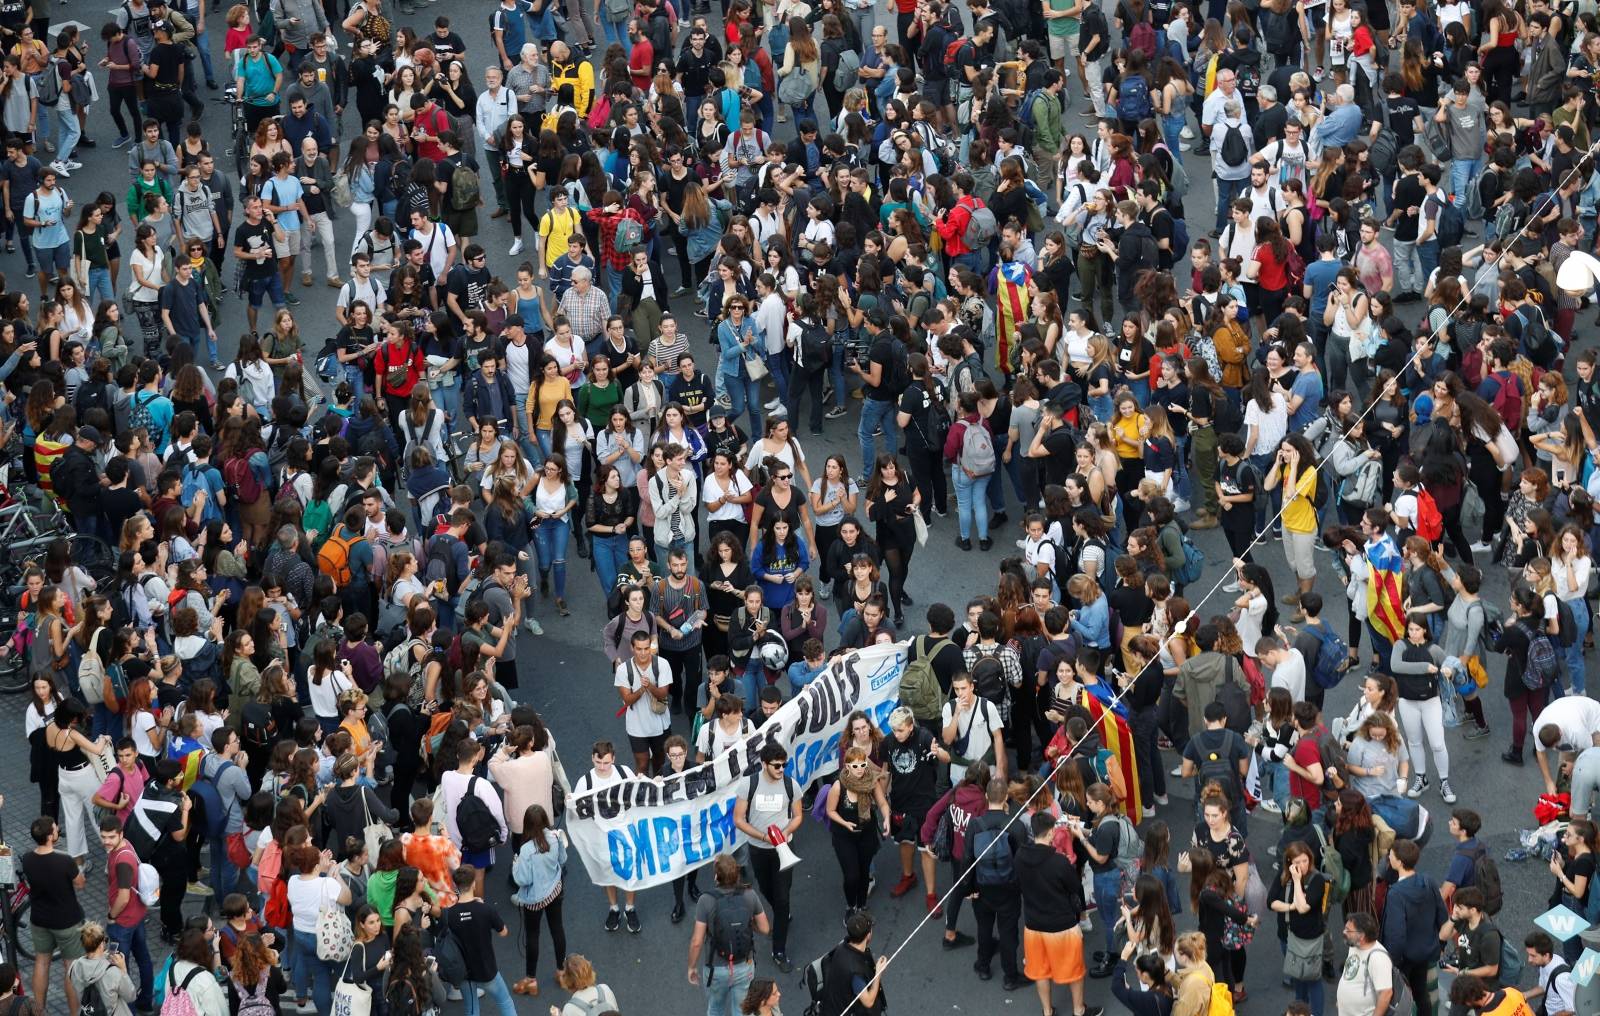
(1052, 889)
(965, 802)
(1199, 679)
(1191, 989)
(1136, 251)
(116, 987)
(1412, 919)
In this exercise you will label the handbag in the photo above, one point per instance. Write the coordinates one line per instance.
(755, 366)
(350, 998)
(238, 853)
(374, 834)
(1303, 959)
(921, 526)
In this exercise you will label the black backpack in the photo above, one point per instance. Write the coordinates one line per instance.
(991, 845)
(989, 680)
(256, 727)
(91, 1002)
(899, 378)
(1217, 766)
(732, 937)
(479, 829)
(816, 345)
(1235, 698)
(1234, 151)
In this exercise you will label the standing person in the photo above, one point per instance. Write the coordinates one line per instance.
(125, 910)
(1412, 917)
(1102, 841)
(771, 799)
(313, 888)
(645, 682)
(537, 872)
(474, 924)
(858, 812)
(57, 916)
(1367, 985)
(1301, 895)
(993, 839)
(105, 971)
(852, 981)
(969, 449)
(1052, 905)
(1418, 667)
(736, 341)
(727, 917)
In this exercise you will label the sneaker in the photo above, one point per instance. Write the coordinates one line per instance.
(905, 885)
(1270, 806)
(516, 247)
(60, 168)
(1317, 72)
(772, 405)
(961, 941)
(1163, 800)
(291, 299)
(781, 961)
(613, 919)
(1419, 783)
(1231, 587)
(1187, 134)
(632, 919)
(198, 889)
(534, 627)
(451, 994)
(72, 164)
(1481, 547)
(834, 413)
(1177, 772)
(932, 903)
(1149, 811)
(1446, 792)
(334, 281)
(122, 141)
(1474, 732)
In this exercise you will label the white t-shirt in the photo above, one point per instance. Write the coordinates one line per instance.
(979, 732)
(714, 740)
(517, 365)
(325, 696)
(1290, 674)
(1578, 716)
(1580, 570)
(454, 785)
(1405, 506)
(308, 897)
(143, 723)
(711, 489)
(1249, 624)
(1037, 552)
(1555, 978)
(640, 720)
(790, 455)
(1366, 973)
(1271, 425)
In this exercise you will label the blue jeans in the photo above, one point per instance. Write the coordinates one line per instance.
(357, 380)
(614, 285)
(977, 260)
(1275, 782)
(201, 343)
(1575, 675)
(202, 42)
(223, 872)
(836, 371)
(1172, 133)
(875, 413)
(742, 393)
(778, 365)
(133, 944)
(100, 286)
(1227, 190)
(610, 552)
(726, 986)
(1108, 902)
(448, 394)
(1310, 992)
(495, 989)
(550, 537)
(308, 968)
(970, 504)
(1428, 257)
(617, 32)
(69, 135)
(1462, 173)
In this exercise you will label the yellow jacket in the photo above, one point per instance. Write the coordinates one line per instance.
(1233, 350)
(580, 75)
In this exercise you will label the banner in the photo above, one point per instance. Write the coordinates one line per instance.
(641, 832)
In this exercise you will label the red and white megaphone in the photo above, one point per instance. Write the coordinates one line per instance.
(787, 858)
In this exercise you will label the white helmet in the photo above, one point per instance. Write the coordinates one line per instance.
(773, 651)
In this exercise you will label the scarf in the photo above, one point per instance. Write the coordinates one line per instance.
(863, 784)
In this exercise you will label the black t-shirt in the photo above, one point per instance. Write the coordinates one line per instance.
(24, 179)
(966, 56)
(119, 505)
(1161, 227)
(1476, 947)
(690, 392)
(470, 286)
(475, 925)
(447, 45)
(168, 57)
(882, 353)
(255, 239)
(1408, 193)
(1238, 479)
(916, 403)
(13, 14)
(913, 773)
(354, 341)
(55, 901)
(1105, 838)
(1063, 458)
(1403, 113)
(673, 188)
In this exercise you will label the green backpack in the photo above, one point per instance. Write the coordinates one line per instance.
(1333, 867)
(317, 515)
(919, 686)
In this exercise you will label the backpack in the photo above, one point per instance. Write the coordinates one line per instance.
(1234, 151)
(1129, 850)
(450, 961)
(1452, 225)
(149, 886)
(256, 1003)
(1221, 1000)
(1544, 662)
(317, 514)
(255, 726)
(1507, 400)
(798, 86)
(194, 482)
(1486, 876)
(1384, 151)
(977, 450)
(816, 344)
(463, 187)
(1400, 1003)
(991, 846)
(813, 979)
(1026, 108)
(140, 416)
(1333, 868)
(92, 675)
(91, 1002)
(1492, 628)
(50, 83)
(1430, 523)
(241, 479)
(629, 235)
(1333, 656)
(981, 227)
(1194, 562)
(847, 71)
(479, 829)
(1235, 698)
(333, 560)
(178, 1002)
(1217, 765)
(919, 686)
(1133, 91)
(1535, 333)
(732, 937)
(400, 660)
(952, 53)
(1295, 266)
(989, 681)
(1512, 960)
(1143, 39)
(1566, 624)
(936, 419)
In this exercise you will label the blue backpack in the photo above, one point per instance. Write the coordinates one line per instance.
(1333, 656)
(1133, 98)
(194, 481)
(1194, 562)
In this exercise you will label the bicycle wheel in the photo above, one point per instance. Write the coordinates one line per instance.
(22, 916)
(95, 556)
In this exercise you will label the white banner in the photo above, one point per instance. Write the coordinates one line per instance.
(646, 832)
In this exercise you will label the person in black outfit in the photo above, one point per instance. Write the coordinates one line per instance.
(1142, 695)
(923, 420)
(892, 499)
(851, 971)
(998, 904)
(55, 880)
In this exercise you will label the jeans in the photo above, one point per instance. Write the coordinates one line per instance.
(70, 132)
(100, 286)
(1275, 782)
(726, 985)
(1574, 652)
(448, 394)
(610, 552)
(1428, 258)
(223, 872)
(1310, 992)
(1227, 190)
(131, 941)
(495, 990)
(876, 413)
(1108, 901)
(550, 538)
(1585, 781)
(356, 379)
(836, 370)
(617, 32)
(778, 367)
(743, 392)
(320, 973)
(202, 42)
(1462, 173)
(971, 506)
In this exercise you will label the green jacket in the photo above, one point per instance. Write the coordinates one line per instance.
(1047, 130)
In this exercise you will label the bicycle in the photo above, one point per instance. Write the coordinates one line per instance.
(238, 131)
(16, 910)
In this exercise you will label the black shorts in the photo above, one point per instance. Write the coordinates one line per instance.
(647, 745)
(906, 826)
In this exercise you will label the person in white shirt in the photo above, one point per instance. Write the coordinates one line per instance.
(456, 786)
(1287, 664)
(972, 730)
(1555, 975)
(494, 107)
(772, 322)
(728, 729)
(605, 773)
(644, 680)
(1264, 196)
(1367, 986)
(1039, 551)
(1568, 725)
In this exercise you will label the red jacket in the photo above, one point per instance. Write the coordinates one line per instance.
(952, 440)
(409, 355)
(953, 227)
(608, 235)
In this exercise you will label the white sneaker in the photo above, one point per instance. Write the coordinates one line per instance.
(773, 405)
(1271, 806)
(1231, 587)
(72, 164)
(60, 168)
(1177, 771)
(1481, 548)
(516, 247)
(1188, 133)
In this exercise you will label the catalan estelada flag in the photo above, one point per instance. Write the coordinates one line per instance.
(1385, 589)
(1011, 308)
(1116, 739)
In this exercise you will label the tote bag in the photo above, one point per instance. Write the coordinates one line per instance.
(350, 998)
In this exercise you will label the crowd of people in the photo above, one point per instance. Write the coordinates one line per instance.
(295, 697)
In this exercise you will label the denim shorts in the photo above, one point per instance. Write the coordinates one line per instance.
(58, 257)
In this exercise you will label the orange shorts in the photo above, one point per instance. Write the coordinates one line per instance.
(1055, 956)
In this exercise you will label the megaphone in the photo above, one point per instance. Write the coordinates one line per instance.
(787, 858)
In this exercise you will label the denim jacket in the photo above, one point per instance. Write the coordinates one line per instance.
(538, 872)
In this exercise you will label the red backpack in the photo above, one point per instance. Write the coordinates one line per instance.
(1143, 39)
(1430, 524)
(1507, 399)
(238, 474)
(951, 53)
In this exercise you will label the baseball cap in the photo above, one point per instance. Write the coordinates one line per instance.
(91, 434)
